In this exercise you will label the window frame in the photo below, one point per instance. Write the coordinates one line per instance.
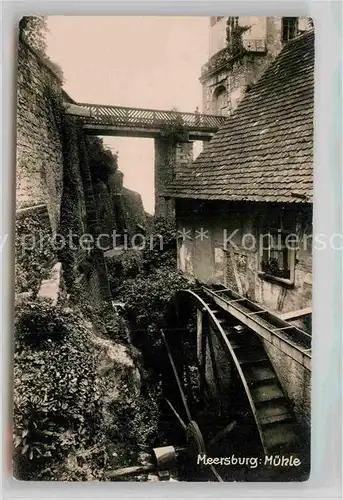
(291, 254)
(284, 22)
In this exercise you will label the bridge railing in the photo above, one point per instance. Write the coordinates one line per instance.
(136, 117)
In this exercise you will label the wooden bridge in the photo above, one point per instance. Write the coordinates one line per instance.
(101, 119)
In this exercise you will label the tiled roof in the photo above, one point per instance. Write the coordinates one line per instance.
(265, 151)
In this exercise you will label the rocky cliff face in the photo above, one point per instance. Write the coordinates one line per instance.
(119, 208)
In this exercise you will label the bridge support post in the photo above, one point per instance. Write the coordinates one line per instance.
(171, 158)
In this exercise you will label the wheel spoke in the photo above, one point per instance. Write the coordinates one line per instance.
(213, 362)
(186, 376)
(223, 433)
(176, 413)
(201, 344)
(215, 473)
(182, 395)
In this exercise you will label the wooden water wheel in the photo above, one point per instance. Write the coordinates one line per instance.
(224, 399)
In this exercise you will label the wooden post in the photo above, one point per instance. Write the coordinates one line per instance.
(201, 350)
(199, 336)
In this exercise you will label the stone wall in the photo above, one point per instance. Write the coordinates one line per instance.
(39, 168)
(58, 168)
(236, 78)
(183, 158)
(217, 36)
(296, 382)
(171, 158)
(164, 166)
(119, 209)
(52, 171)
(134, 214)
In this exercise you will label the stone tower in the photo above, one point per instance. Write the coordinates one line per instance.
(240, 50)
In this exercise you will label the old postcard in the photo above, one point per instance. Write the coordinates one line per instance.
(163, 249)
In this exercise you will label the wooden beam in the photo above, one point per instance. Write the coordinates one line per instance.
(74, 109)
(296, 314)
(270, 335)
(130, 471)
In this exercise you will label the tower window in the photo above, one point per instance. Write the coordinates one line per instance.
(220, 101)
(289, 28)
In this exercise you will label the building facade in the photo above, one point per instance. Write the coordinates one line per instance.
(240, 50)
(244, 208)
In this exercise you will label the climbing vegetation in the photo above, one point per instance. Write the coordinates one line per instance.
(34, 253)
(126, 265)
(81, 404)
(146, 297)
(102, 161)
(33, 31)
(57, 391)
(234, 37)
(161, 248)
(175, 129)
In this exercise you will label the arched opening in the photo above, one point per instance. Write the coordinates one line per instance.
(219, 101)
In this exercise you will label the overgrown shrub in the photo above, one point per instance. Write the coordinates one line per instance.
(109, 324)
(147, 280)
(79, 407)
(162, 251)
(125, 265)
(146, 297)
(33, 256)
(56, 387)
(135, 425)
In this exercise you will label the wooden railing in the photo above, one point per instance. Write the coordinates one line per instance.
(148, 118)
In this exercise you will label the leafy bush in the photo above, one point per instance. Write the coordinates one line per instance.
(147, 280)
(56, 387)
(163, 250)
(79, 408)
(127, 264)
(110, 325)
(137, 421)
(146, 297)
(32, 257)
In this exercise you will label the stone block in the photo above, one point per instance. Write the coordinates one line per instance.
(50, 288)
